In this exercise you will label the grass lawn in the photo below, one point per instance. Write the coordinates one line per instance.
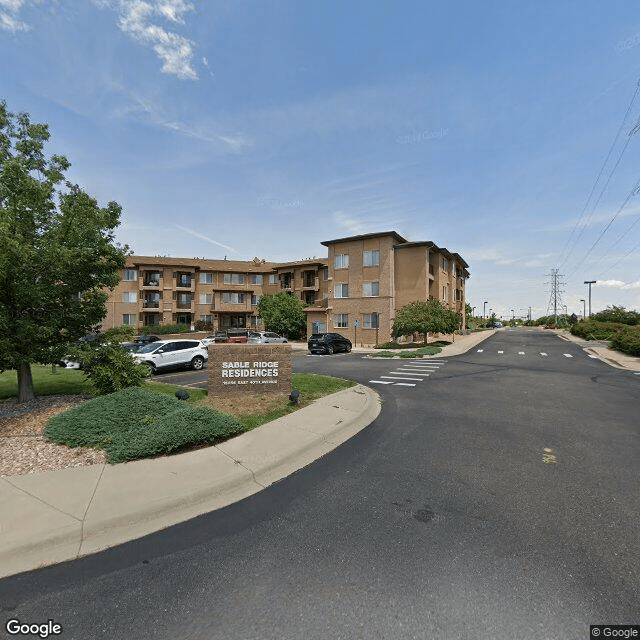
(72, 382)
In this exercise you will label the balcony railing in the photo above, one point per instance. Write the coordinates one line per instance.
(151, 304)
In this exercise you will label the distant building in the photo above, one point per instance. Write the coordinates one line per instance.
(355, 291)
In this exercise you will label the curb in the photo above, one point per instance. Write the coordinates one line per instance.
(41, 524)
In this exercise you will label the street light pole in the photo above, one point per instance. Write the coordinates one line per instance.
(484, 309)
(584, 308)
(590, 282)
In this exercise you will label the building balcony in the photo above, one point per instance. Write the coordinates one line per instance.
(150, 305)
(151, 284)
(311, 284)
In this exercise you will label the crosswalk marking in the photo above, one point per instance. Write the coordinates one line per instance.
(480, 350)
(500, 351)
(567, 355)
(405, 373)
(520, 353)
(405, 384)
(396, 378)
(380, 382)
(542, 353)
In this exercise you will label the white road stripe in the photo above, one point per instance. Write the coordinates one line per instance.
(380, 382)
(395, 378)
(520, 353)
(404, 384)
(542, 353)
(405, 373)
(592, 356)
(418, 368)
(567, 355)
(480, 350)
(500, 351)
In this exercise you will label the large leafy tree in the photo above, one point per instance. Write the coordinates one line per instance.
(283, 313)
(57, 252)
(425, 318)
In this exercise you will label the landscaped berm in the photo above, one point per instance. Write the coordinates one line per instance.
(136, 423)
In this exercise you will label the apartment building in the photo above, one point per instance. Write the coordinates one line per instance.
(371, 276)
(156, 290)
(355, 291)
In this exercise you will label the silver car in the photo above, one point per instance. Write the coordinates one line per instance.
(265, 337)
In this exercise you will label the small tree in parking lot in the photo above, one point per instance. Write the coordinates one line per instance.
(283, 313)
(425, 317)
(58, 252)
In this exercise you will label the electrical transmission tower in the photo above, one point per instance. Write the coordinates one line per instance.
(555, 299)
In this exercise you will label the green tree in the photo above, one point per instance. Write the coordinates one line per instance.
(425, 317)
(283, 313)
(58, 252)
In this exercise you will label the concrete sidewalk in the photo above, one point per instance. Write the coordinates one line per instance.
(50, 517)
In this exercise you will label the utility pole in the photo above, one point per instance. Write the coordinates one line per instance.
(584, 308)
(590, 282)
(555, 300)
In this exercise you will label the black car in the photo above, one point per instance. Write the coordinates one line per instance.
(145, 339)
(328, 343)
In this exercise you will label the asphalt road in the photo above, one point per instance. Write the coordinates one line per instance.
(495, 499)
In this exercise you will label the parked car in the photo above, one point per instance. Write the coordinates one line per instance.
(494, 325)
(266, 337)
(131, 347)
(208, 340)
(172, 354)
(232, 335)
(328, 343)
(146, 339)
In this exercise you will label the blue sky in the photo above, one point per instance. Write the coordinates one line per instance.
(263, 128)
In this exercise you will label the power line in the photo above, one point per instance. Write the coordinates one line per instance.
(566, 253)
(555, 299)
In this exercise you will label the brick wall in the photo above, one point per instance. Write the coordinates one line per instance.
(249, 369)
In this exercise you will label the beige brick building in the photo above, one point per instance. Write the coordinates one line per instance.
(373, 275)
(355, 291)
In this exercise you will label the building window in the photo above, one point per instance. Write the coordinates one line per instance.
(234, 278)
(254, 300)
(129, 318)
(445, 265)
(341, 261)
(256, 278)
(233, 298)
(341, 320)
(206, 298)
(184, 300)
(325, 273)
(207, 319)
(151, 279)
(370, 289)
(129, 296)
(206, 278)
(130, 274)
(444, 293)
(273, 278)
(370, 320)
(341, 291)
(183, 279)
(371, 258)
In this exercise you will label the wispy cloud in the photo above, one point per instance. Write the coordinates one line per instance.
(139, 20)
(9, 10)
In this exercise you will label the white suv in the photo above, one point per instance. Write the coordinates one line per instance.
(172, 354)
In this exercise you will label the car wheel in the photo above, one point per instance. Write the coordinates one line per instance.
(329, 350)
(151, 367)
(197, 363)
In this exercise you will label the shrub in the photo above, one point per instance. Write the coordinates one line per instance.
(109, 368)
(136, 423)
(594, 330)
(163, 329)
(617, 314)
(383, 354)
(627, 340)
(119, 334)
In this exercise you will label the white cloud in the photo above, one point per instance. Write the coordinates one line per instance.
(618, 284)
(8, 16)
(138, 19)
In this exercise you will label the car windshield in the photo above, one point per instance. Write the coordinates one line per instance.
(148, 348)
(318, 336)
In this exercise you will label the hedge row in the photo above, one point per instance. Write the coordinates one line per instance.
(137, 423)
(596, 330)
(628, 340)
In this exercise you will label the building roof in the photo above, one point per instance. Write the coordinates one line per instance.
(203, 264)
(436, 248)
(396, 236)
